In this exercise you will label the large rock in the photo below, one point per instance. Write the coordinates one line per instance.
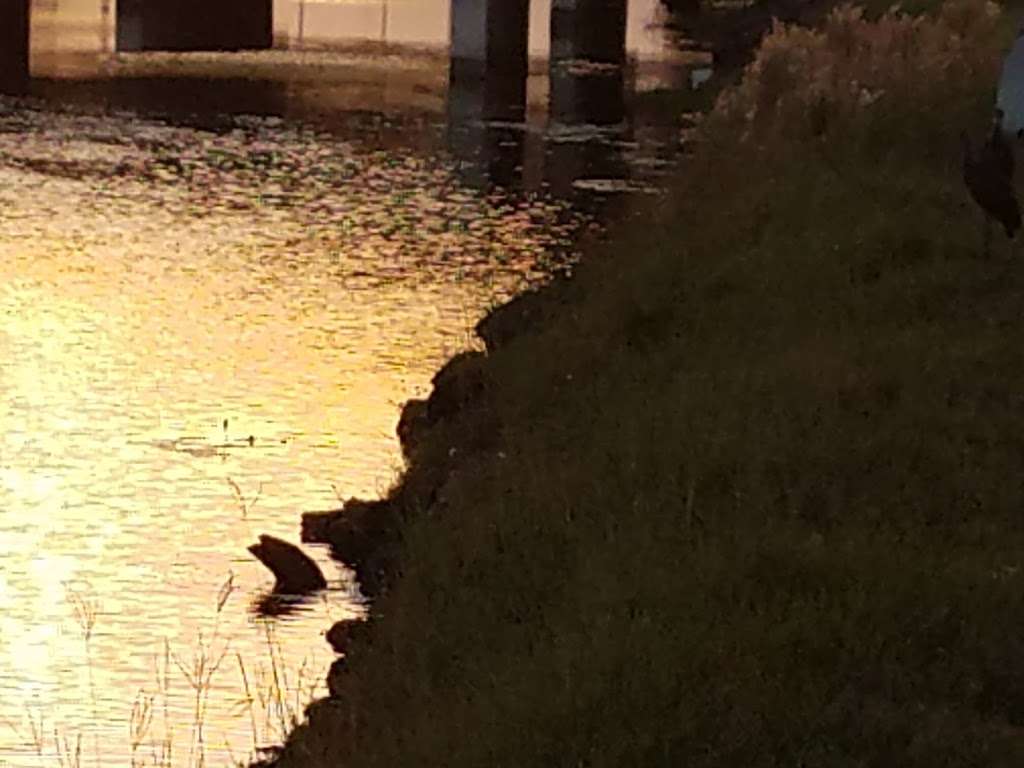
(295, 572)
(527, 312)
(315, 525)
(336, 678)
(461, 382)
(343, 633)
(364, 535)
(461, 385)
(360, 530)
(412, 426)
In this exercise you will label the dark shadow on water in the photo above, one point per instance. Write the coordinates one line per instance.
(215, 104)
(208, 103)
(276, 605)
(583, 147)
(437, 107)
(488, 154)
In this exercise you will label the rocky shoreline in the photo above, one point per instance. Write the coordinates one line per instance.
(440, 436)
(690, 506)
(457, 424)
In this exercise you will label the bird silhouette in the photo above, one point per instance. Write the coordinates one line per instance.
(988, 175)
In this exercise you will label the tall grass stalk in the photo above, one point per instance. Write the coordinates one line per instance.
(139, 724)
(244, 505)
(272, 701)
(205, 661)
(69, 749)
(85, 607)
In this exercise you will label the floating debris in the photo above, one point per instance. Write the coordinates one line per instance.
(616, 186)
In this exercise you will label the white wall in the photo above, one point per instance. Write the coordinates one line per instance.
(72, 26)
(417, 22)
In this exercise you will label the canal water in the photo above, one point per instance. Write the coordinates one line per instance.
(210, 316)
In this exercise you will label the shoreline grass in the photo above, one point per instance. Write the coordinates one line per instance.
(271, 698)
(756, 490)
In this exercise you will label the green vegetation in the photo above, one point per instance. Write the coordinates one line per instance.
(757, 497)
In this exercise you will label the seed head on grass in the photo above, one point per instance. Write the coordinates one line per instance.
(139, 723)
(245, 505)
(206, 659)
(69, 751)
(85, 607)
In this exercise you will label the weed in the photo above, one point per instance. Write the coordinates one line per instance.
(244, 504)
(274, 697)
(757, 476)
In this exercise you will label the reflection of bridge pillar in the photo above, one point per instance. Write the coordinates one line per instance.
(588, 57)
(574, 162)
(487, 82)
(194, 25)
(594, 30)
(489, 64)
(489, 155)
(14, 46)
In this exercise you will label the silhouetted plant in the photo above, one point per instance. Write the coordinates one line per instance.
(858, 71)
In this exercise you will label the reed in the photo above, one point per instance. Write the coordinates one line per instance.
(244, 504)
(272, 696)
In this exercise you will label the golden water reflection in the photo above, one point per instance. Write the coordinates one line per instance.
(165, 295)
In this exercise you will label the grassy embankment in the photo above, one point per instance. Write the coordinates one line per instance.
(756, 494)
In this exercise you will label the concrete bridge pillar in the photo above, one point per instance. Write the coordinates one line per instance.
(489, 59)
(14, 34)
(487, 83)
(588, 61)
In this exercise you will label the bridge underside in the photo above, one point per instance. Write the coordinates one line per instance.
(489, 49)
(147, 25)
(194, 25)
(14, 46)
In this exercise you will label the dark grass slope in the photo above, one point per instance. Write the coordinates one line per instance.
(758, 492)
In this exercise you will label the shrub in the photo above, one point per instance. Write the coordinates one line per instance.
(854, 75)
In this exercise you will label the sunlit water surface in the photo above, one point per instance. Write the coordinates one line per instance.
(166, 294)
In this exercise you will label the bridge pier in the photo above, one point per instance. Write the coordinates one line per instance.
(487, 83)
(593, 30)
(14, 36)
(588, 62)
(489, 59)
